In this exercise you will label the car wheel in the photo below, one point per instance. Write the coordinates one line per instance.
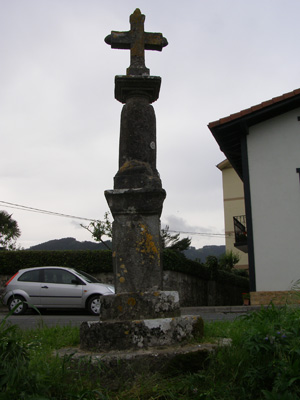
(94, 305)
(18, 304)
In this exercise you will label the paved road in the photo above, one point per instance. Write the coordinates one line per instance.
(49, 318)
(32, 319)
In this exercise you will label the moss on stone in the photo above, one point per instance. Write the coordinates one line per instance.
(198, 328)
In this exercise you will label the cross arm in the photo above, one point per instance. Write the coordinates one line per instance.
(155, 41)
(123, 40)
(119, 40)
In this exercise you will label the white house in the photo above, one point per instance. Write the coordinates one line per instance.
(262, 143)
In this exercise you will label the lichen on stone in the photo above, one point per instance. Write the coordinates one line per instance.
(146, 244)
(131, 301)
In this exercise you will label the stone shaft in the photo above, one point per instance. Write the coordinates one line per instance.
(137, 149)
(137, 199)
(138, 132)
(136, 253)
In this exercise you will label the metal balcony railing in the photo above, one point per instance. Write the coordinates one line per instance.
(240, 233)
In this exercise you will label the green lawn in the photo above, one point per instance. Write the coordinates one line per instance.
(263, 362)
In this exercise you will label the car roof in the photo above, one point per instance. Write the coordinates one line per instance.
(47, 266)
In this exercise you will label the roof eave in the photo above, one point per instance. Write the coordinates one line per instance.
(228, 134)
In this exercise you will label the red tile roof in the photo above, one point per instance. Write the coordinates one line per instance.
(257, 107)
(230, 130)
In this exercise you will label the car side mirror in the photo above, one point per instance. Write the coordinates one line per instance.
(76, 281)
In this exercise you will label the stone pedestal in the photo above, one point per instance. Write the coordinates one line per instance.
(133, 321)
(140, 334)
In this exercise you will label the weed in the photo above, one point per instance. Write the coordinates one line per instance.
(262, 363)
(14, 355)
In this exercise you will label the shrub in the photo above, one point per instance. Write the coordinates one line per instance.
(263, 362)
(89, 261)
(175, 261)
(98, 261)
(14, 359)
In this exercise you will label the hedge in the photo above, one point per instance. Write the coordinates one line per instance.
(174, 261)
(86, 260)
(97, 261)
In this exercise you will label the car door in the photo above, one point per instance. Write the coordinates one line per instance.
(60, 290)
(30, 282)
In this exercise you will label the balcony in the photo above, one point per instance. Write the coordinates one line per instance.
(240, 233)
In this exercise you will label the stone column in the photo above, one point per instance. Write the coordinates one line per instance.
(137, 199)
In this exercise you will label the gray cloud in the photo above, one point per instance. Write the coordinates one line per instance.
(59, 121)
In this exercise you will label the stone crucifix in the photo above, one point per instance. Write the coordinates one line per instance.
(137, 40)
(141, 314)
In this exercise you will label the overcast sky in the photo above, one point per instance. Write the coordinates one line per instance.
(59, 121)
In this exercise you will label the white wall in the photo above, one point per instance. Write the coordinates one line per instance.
(274, 155)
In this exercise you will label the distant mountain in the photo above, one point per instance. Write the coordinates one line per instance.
(70, 244)
(201, 254)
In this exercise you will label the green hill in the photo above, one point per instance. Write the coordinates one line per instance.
(70, 244)
(73, 244)
(201, 254)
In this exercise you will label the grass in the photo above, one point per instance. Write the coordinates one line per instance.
(263, 363)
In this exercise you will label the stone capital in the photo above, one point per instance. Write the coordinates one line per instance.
(139, 86)
(135, 201)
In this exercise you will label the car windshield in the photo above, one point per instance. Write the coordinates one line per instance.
(87, 277)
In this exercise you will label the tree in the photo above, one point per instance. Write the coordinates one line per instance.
(225, 262)
(9, 231)
(228, 260)
(98, 229)
(212, 263)
(173, 241)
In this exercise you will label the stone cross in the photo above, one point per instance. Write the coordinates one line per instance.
(141, 314)
(137, 40)
(137, 198)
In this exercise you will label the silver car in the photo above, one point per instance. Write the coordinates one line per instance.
(54, 287)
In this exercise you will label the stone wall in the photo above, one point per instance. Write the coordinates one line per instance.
(276, 297)
(192, 291)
